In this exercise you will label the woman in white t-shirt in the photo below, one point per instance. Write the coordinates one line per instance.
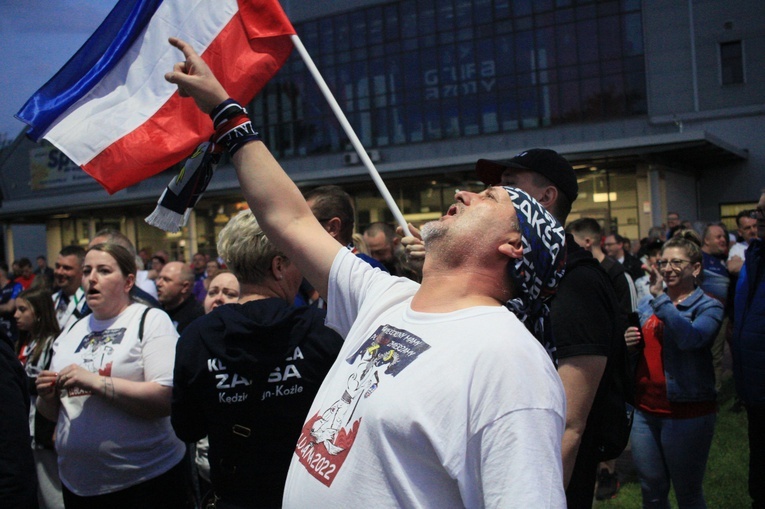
(109, 389)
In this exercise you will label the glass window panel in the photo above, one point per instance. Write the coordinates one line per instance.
(428, 41)
(362, 92)
(587, 41)
(633, 34)
(543, 5)
(545, 48)
(545, 19)
(431, 116)
(591, 99)
(551, 113)
(342, 33)
(613, 95)
(608, 8)
(525, 23)
(489, 113)
(508, 112)
(634, 64)
(379, 85)
(564, 15)
(630, 5)
(611, 66)
(426, 17)
(635, 84)
(481, 10)
(343, 57)
(445, 16)
(506, 84)
(394, 78)
(589, 70)
(375, 24)
(408, 20)
(414, 122)
(585, 12)
(566, 35)
(381, 128)
(569, 101)
(502, 9)
(411, 73)
(522, 8)
(358, 29)
(463, 13)
(452, 120)
(390, 18)
(430, 74)
(309, 34)
(465, 34)
(505, 49)
(609, 37)
(529, 107)
(731, 63)
(526, 80)
(327, 35)
(359, 53)
(376, 51)
(524, 51)
(399, 127)
(446, 37)
(469, 115)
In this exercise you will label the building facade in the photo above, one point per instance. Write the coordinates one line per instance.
(657, 104)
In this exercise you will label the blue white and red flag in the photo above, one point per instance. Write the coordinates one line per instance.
(110, 110)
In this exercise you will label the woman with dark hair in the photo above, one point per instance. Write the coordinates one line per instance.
(38, 327)
(109, 388)
(675, 394)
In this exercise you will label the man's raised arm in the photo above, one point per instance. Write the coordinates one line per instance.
(275, 200)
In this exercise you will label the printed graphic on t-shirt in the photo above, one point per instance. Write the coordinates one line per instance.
(327, 437)
(96, 351)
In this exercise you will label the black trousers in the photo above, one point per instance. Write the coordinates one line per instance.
(170, 490)
(756, 417)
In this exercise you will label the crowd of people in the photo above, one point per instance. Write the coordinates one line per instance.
(492, 358)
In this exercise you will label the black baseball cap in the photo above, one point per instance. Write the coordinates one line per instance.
(544, 161)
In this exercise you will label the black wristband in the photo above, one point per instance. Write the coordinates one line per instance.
(225, 111)
(235, 138)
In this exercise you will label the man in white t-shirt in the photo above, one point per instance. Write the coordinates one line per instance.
(747, 229)
(440, 397)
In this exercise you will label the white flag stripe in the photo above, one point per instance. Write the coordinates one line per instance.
(135, 89)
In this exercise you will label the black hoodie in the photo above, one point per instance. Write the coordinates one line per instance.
(246, 375)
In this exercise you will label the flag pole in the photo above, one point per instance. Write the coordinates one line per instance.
(351, 134)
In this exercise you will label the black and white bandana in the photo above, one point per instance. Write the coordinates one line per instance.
(537, 274)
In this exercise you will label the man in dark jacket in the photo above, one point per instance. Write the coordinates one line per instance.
(246, 373)
(584, 315)
(18, 481)
(748, 352)
(175, 285)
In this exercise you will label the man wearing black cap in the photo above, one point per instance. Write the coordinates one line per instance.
(586, 330)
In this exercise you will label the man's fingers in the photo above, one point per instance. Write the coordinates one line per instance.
(182, 45)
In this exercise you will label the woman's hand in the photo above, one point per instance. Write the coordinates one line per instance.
(45, 383)
(632, 336)
(77, 377)
(656, 282)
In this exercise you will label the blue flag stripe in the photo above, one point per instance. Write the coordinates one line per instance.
(87, 67)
